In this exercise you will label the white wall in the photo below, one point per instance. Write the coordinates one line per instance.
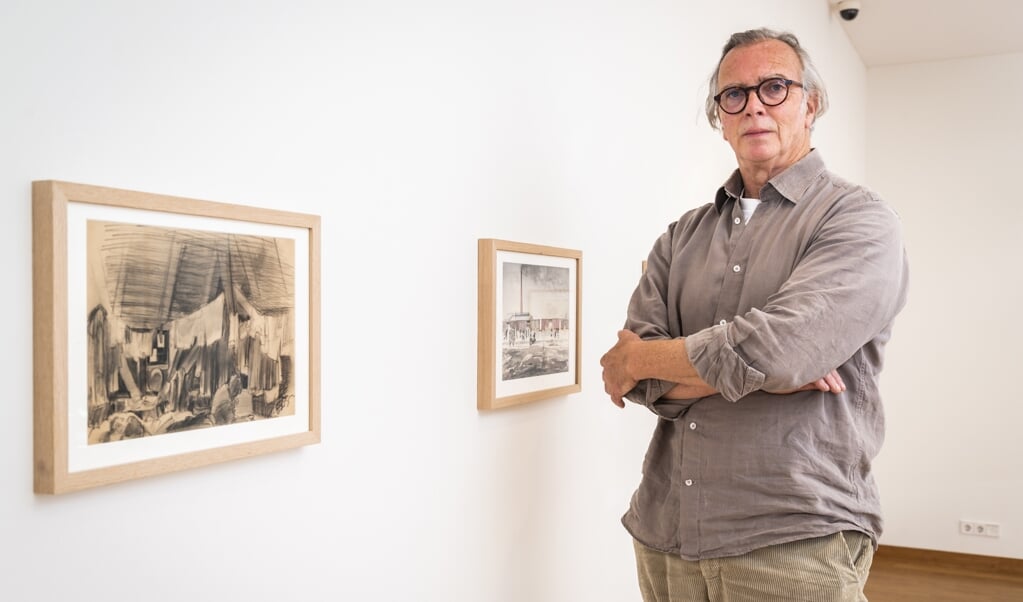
(944, 148)
(413, 128)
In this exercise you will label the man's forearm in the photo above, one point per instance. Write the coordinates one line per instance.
(663, 359)
(667, 359)
(632, 359)
(694, 388)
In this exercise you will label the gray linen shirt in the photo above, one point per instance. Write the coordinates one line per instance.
(813, 282)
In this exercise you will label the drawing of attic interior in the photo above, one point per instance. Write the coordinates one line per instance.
(176, 314)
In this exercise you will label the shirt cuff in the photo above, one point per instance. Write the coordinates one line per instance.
(720, 366)
(649, 392)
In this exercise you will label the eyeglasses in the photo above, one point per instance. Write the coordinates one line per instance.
(771, 92)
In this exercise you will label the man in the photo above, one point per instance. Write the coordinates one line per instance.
(756, 335)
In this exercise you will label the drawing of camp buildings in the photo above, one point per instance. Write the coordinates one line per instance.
(186, 329)
(536, 338)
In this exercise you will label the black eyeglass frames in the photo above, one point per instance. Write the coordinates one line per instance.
(771, 92)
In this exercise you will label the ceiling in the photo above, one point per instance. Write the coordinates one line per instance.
(889, 32)
(156, 275)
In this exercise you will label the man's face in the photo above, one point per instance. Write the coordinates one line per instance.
(764, 137)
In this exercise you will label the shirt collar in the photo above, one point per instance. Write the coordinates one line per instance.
(790, 184)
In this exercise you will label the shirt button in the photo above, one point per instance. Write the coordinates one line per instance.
(689, 482)
(738, 221)
(692, 426)
(736, 269)
(723, 322)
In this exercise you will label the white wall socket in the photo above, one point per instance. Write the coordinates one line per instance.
(969, 527)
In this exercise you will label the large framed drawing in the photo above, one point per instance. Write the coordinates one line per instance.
(530, 331)
(169, 333)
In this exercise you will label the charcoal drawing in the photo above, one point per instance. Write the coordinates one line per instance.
(187, 329)
(536, 328)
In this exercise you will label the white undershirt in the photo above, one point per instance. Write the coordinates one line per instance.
(748, 207)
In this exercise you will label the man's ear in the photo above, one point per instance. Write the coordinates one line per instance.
(812, 104)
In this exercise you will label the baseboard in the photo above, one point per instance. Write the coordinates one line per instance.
(948, 562)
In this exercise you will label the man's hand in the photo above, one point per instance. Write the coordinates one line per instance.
(829, 383)
(617, 380)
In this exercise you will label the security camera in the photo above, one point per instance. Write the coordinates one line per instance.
(849, 9)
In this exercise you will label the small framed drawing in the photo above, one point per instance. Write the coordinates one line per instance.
(530, 335)
(169, 333)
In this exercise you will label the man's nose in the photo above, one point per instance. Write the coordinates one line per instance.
(753, 104)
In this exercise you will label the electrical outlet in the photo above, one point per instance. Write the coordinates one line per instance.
(969, 527)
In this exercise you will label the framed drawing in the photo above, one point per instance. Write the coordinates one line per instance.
(530, 335)
(169, 333)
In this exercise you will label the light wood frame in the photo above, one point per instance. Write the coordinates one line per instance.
(493, 390)
(53, 321)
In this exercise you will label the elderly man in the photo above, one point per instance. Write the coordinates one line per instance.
(756, 335)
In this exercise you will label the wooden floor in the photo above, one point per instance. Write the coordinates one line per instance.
(911, 575)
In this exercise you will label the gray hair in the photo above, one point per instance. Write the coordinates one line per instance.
(813, 84)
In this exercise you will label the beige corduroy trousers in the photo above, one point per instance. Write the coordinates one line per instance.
(823, 569)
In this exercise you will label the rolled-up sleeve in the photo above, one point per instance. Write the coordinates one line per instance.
(649, 393)
(718, 364)
(845, 287)
(848, 289)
